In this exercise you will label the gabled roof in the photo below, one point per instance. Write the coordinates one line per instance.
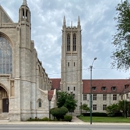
(4, 17)
(50, 94)
(55, 83)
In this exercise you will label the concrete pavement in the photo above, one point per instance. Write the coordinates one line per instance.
(75, 120)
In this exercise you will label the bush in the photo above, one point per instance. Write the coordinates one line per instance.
(100, 114)
(59, 113)
(45, 119)
(37, 119)
(68, 118)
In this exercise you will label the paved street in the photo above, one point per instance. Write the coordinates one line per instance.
(63, 127)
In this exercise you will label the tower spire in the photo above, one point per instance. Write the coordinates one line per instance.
(25, 2)
(64, 22)
(78, 20)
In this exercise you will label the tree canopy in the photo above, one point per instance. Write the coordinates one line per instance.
(85, 107)
(121, 107)
(67, 100)
(121, 40)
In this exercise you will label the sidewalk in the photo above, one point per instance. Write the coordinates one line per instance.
(75, 121)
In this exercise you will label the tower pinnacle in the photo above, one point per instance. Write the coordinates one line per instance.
(78, 20)
(64, 22)
(25, 2)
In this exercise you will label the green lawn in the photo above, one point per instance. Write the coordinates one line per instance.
(105, 119)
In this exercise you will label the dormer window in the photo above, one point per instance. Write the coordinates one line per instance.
(103, 88)
(113, 88)
(94, 88)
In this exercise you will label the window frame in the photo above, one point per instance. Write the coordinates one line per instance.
(94, 107)
(104, 97)
(84, 97)
(104, 107)
(114, 97)
(94, 96)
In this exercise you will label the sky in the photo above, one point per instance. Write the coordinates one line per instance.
(98, 27)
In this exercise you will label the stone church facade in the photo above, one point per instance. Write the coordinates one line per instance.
(25, 88)
(24, 84)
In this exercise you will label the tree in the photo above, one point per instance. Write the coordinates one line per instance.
(121, 107)
(121, 39)
(67, 100)
(85, 107)
(124, 107)
(112, 109)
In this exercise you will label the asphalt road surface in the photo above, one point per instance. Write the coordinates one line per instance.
(63, 127)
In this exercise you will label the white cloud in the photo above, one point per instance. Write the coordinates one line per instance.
(97, 25)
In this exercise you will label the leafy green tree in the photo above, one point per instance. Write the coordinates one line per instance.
(112, 109)
(67, 100)
(124, 107)
(121, 39)
(85, 107)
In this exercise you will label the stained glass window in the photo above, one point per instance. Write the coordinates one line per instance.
(5, 56)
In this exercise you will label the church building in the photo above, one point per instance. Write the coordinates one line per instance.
(26, 91)
(24, 84)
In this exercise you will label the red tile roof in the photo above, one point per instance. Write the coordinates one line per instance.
(55, 83)
(127, 89)
(108, 83)
(50, 94)
(98, 83)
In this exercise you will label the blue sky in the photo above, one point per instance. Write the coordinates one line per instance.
(98, 27)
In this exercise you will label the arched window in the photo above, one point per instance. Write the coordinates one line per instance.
(5, 56)
(68, 42)
(74, 42)
(39, 103)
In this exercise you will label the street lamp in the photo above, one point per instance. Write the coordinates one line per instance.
(49, 108)
(91, 67)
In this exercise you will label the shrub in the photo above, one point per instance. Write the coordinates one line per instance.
(59, 113)
(101, 114)
(45, 119)
(67, 117)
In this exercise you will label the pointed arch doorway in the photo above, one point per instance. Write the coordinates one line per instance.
(4, 101)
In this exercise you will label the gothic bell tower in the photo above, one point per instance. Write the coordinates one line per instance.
(71, 61)
(25, 52)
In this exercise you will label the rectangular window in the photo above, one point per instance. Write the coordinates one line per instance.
(94, 96)
(84, 96)
(94, 107)
(114, 97)
(74, 63)
(104, 107)
(104, 96)
(74, 88)
(68, 64)
(68, 88)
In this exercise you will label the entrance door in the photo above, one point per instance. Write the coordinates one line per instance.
(5, 105)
